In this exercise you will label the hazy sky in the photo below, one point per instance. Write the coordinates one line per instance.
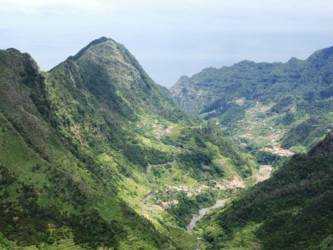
(170, 38)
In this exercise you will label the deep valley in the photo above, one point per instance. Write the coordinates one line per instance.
(95, 155)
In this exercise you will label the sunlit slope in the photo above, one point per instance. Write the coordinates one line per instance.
(89, 149)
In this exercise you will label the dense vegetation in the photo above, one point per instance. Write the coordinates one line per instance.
(252, 100)
(268, 107)
(94, 154)
(89, 149)
(292, 210)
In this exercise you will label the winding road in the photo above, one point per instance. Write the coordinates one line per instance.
(148, 171)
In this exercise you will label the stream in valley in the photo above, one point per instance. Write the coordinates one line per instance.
(202, 212)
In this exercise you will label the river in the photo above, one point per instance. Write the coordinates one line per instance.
(202, 213)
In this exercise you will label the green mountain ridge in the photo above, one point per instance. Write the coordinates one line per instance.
(253, 101)
(291, 210)
(94, 154)
(272, 110)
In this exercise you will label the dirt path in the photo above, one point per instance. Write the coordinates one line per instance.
(161, 165)
(263, 174)
(148, 171)
(147, 196)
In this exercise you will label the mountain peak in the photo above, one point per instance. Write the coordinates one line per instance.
(320, 57)
(113, 75)
(107, 53)
(323, 53)
(15, 58)
(294, 60)
(91, 44)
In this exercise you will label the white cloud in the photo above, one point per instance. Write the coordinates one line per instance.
(221, 8)
(58, 6)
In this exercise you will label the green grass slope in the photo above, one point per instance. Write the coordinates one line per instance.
(48, 192)
(292, 210)
(95, 154)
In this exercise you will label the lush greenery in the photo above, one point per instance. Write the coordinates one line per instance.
(94, 154)
(253, 101)
(292, 210)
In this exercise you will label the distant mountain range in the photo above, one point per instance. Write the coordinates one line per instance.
(266, 106)
(272, 110)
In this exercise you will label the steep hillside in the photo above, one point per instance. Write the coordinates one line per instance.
(292, 210)
(49, 193)
(95, 154)
(269, 106)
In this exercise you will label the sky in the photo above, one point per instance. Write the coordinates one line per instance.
(170, 38)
